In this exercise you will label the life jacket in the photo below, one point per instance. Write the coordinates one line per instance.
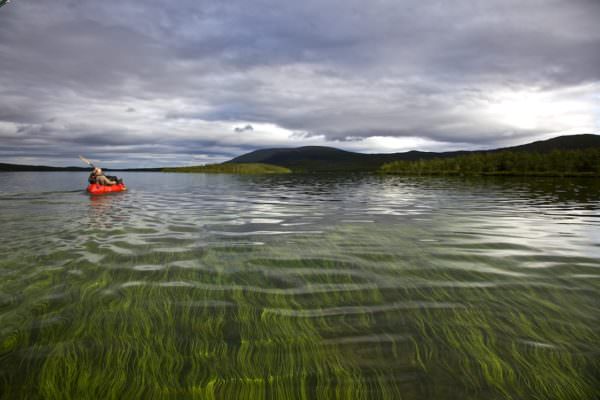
(92, 178)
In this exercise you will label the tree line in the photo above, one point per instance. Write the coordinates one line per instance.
(585, 162)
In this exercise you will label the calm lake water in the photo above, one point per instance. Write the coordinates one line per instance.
(299, 287)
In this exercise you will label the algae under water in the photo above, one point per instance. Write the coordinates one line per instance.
(299, 287)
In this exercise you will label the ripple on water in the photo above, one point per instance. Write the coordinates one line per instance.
(367, 339)
(341, 311)
(148, 267)
(233, 287)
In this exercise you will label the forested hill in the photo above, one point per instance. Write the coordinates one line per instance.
(571, 142)
(578, 162)
(322, 159)
(560, 156)
(318, 159)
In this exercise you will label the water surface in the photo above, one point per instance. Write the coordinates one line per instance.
(298, 286)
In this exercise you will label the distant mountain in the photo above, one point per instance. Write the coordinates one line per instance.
(318, 158)
(329, 159)
(571, 142)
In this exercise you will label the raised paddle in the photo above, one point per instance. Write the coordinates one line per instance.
(88, 162)
(104, 189)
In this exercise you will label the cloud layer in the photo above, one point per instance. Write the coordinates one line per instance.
(147, 83)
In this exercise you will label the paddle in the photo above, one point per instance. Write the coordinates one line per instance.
(88, 162)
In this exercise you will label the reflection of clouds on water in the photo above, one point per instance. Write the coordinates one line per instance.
(497, 217)
(531, 220)
(567, 235)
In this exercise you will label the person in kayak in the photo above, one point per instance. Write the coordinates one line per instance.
(97, 176)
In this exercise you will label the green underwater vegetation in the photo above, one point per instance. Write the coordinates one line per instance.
(315, 318)
(257, 298)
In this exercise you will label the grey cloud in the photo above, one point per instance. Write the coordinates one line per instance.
(243, 129)
(188, 74)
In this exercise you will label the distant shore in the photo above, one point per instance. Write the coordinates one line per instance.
(5, 167)
(574, 155)
(232, 168)
(558, 163)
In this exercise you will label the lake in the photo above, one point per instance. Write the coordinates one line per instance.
(299, 287)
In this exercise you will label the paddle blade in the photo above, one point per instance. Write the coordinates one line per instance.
(85, 160)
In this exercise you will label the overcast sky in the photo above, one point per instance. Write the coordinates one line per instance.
(151, 83)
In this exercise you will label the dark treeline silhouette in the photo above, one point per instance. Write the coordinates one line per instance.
(4, 167)
(231, 168)
(584, 162)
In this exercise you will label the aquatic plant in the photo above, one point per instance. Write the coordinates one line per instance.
(179, 302)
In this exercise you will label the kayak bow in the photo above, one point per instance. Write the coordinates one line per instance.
(94, 188)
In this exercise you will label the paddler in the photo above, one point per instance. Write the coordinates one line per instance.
(97, 176)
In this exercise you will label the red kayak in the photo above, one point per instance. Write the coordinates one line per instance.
(94, 188)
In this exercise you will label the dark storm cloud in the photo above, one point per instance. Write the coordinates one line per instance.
(162, 82)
